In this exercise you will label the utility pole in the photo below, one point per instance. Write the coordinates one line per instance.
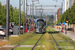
(7, 20)
(19, 14)
(42, 11)
(30, 11)
(23, 15)
(26, 8)
(36, 10)
(33, 9)
(26, 15)
(30, 19)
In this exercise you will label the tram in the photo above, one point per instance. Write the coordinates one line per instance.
(40, 25)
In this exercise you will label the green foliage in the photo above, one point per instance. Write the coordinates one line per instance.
(60, 18)
(68, 15)
(55, 23)
(47, 23)
(13, 15)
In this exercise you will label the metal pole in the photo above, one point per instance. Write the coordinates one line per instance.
(36, 10)
(26, 8)
(42, 11)
(32, 9)
(7, 21)
(26, 15)
(19, 14)
(30, 18)
(23, 15)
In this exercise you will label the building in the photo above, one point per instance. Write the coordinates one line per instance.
(55, 17)
(63, 7)
(59, 11)
(67, 4)
(72, 1)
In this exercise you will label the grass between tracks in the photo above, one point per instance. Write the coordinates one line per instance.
(48, 45)
(57, 36)
(27, 48)
(63, 45)
(66, 46)
(19, 39)
(32, 40)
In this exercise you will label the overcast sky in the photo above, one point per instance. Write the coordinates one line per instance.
(15, 3)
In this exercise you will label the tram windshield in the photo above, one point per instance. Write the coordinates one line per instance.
(40, 24)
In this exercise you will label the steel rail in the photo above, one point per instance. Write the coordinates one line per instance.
(37, 42)
(22, 42)
(66, 39)
(56, 43)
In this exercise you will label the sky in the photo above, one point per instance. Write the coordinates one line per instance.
(15, 3)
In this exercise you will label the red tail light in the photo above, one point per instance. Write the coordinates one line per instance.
(11, 29)
(2, 31)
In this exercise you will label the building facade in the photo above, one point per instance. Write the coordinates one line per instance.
(59, 11)
(72, 1)
(67, 4)
(63, 7)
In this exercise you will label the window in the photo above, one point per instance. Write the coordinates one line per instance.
(60, 9)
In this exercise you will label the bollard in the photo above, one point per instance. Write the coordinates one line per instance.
(26, 29)
(57, 27)
(33, 29)
(65, 31)
(29, 31)
(61, 29)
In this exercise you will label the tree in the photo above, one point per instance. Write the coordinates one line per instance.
(60, 18)
(14, 15)
(68, 15)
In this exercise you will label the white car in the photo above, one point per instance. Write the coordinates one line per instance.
(2, 31)
(10, 29)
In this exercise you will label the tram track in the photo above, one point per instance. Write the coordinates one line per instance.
(66, 39)
(21, 42)
(56, 43)
(27, 40)
(61, 37)
(37, 42)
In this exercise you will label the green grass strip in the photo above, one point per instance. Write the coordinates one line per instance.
(32, 40)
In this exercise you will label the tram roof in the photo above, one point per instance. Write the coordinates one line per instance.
(40, 18)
